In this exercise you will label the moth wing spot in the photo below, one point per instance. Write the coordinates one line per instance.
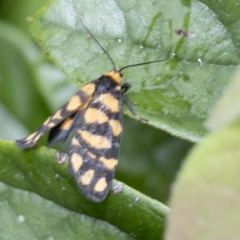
(114, 75)
(87, 177)
(76, 162)
(88, 88)
(38, 135)
(46, 123)
(91, 155)
(110, 163)
(85, 104)
(95, 141)
(94, 115)
(31, 137)
(110, 102)
(57, 115)
(66, 124)
(116, 127)
(101, 185)
(51, 124)
(73, 103)
(75, 142)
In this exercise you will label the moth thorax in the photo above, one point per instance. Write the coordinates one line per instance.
(114, 75)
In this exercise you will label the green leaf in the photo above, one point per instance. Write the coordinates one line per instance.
(18, 65)
(54, 86)
(175, 95)
(227, 110)
(13, 128)
(149, 159)
(207, 193)
(35, 170)
(26, 216)
(16, 12)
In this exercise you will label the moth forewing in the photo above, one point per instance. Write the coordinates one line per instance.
(96, 114)
(56, 121)
(95, 146)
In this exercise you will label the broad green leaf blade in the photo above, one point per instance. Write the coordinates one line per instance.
(27, 216)
(205, 200)
(37, 170)
(175, 95)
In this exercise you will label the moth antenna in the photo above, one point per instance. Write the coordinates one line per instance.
(104, 50)
(140, 64)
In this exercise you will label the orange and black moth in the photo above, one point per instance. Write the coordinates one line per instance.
(95, 112)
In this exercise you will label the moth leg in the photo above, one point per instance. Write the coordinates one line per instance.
(124, 88)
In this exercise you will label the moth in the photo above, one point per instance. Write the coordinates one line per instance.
(95, 114)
